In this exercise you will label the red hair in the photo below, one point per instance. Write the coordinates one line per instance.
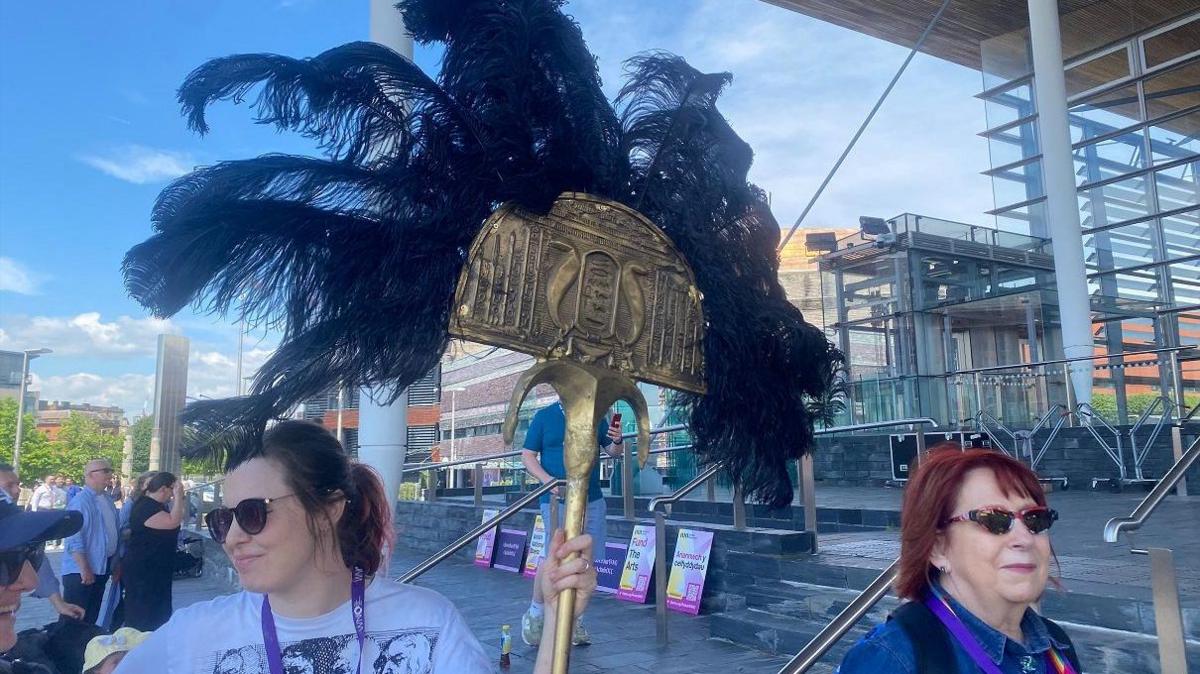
(930, 498)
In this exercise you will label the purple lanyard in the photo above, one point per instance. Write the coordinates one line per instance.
(970, 644)
(271, 636)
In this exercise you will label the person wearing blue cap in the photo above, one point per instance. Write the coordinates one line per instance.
(23, 537)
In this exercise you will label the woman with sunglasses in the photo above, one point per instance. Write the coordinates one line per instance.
(23, 537)
(974, 559)
(307, 534)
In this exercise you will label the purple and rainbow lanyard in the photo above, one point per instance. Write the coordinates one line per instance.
(271, 636)
(941, 608)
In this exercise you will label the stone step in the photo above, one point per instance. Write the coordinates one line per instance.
(782, 617)
(1107, 606)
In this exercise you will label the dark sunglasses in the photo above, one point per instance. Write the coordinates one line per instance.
(251, 516)
(999, 521)
(12, 562)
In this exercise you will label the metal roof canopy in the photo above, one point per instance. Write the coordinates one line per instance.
(1087, 24)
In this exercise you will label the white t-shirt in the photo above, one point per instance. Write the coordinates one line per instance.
(410, 630)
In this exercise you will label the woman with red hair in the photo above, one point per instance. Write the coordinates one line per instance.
(974, 558)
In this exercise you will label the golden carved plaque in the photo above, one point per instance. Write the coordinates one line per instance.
(592, 281)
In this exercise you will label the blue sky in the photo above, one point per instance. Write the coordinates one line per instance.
(90, 132)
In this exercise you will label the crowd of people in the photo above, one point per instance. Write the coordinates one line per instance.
(309, 533)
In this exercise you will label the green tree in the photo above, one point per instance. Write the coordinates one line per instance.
(80, 440)
(32, 440)
(143, 431)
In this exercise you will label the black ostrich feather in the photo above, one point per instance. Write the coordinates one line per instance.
(355, 257)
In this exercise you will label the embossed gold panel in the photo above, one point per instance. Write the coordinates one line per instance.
(592, 281)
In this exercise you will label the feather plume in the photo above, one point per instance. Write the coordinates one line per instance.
(355, 257)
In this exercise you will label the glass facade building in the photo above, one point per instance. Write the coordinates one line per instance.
(1134, 115)
(948, 320)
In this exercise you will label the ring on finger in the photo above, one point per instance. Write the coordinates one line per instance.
(586, 564)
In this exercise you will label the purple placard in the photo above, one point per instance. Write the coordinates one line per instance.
(510, 550)
(685, 585)
(485, 544)
(639, 565)
(608, 568)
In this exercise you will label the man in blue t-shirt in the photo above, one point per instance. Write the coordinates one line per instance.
(542, 455)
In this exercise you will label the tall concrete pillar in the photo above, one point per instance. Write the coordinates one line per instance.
(1062, 211)
(383, 429)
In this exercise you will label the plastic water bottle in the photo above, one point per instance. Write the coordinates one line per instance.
(505, 646)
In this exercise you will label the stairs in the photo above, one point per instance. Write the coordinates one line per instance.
(790, 599)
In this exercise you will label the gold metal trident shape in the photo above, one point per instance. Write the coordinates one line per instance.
(601, 297)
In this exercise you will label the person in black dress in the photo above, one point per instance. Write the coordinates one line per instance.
(150, 559)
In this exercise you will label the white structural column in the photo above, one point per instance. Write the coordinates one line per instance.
(1062, 211)
(383, 429)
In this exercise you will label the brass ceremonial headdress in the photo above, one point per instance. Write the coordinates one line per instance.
(508, 201)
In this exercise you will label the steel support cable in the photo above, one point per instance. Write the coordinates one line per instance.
(863, 127)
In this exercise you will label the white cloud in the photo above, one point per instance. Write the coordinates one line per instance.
(139, 164)
(17, 278)
(130, 391)
(211, 374)
(86, 334)
(801, 87)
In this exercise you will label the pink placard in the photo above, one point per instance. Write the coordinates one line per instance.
(486, 544)
(639, 566)
(685, 585)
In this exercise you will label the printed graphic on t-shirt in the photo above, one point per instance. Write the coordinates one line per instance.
(399, 652)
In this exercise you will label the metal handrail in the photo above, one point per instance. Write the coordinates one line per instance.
(837, 628)
(685, 489)
(436, 465)
(1060, 361)
(467, 538)
(1134, 521)
(1191, 413)
(1140, 457)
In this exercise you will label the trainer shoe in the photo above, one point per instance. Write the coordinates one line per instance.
(531, 628)
(580, 637)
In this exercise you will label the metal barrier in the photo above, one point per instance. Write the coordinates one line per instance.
(1063, 415)
(1167, 616)
(1089, 419)
(1139, 456)
(983, 418)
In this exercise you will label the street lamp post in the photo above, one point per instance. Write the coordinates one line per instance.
(30, 354)
(453, 406)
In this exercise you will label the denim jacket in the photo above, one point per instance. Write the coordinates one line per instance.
(95, 540)
(888, 650)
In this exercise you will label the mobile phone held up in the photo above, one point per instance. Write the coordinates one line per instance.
(616, 419)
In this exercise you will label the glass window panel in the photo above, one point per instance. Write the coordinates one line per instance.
(1009, 105)
(1181, 233)
(1018, 184)
(1137, 285)
(1104, 113)
(1113, 203)
(1172, 90)
(1175, 138)
(1012, 145)
(1175, 43)
(1185, 282)
(1028, 219)
(1119, 247)
(1097, 72)
(1109, 158)
(1178, 186)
